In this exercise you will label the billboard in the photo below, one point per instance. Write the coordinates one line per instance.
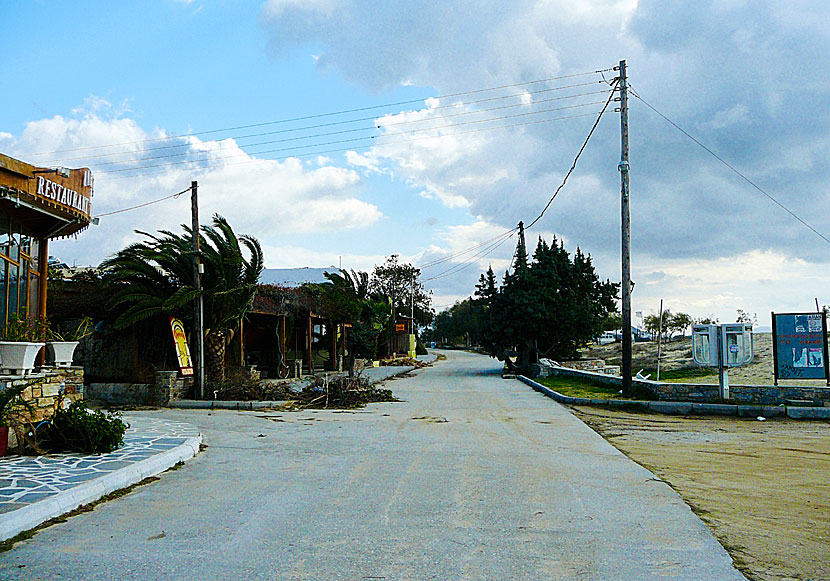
(799, 346)
(182, 350)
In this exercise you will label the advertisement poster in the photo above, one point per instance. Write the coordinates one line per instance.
(800, 346)
(182, 350)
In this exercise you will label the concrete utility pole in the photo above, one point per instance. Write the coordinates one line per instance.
(626, 234)
(198, 304)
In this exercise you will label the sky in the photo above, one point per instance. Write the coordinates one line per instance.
(343, 131)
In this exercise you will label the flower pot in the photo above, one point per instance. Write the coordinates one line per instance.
(4, 440)
(18, 357)
(59, 353)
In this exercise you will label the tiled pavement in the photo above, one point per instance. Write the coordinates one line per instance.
(35, 489)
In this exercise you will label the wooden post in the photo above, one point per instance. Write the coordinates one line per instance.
(241, 343)
(198, 305)
(626, 234)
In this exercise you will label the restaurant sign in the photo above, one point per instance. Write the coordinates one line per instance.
(49, 190)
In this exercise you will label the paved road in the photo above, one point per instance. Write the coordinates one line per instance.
(471, 477)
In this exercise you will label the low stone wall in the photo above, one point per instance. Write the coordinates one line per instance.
(169, 386)
(704, 392)
(44, 386)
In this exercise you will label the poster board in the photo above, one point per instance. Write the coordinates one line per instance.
(182, 350)
(799, 346)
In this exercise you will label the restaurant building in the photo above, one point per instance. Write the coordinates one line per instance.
(37, 204)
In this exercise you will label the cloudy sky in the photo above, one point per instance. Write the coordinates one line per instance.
(423, 159)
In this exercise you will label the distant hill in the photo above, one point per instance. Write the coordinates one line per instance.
(294, 277)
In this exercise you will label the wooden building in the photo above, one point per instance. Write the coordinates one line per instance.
(37, 204)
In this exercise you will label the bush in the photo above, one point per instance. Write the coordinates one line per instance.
(79, 429)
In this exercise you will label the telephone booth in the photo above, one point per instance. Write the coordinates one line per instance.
(722, 346)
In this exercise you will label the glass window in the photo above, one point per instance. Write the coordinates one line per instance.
(34, 298)
(3, 264)
(25, 245)
(14, 245)
(12, 282)
(24, 289)
(35, 262)
(4, 234)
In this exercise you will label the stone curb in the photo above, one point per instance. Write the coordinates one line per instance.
(688, 408)
(198, 404)
(30, 516)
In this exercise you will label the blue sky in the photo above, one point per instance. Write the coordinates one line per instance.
(744, 77)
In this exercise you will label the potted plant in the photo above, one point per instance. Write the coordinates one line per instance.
(14, 410)
(61, 346)
(20, 342)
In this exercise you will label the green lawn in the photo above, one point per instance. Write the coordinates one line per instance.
(577, 387)
(680, 374)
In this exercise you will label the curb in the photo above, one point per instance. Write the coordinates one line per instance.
(30, 516)
(688, 408)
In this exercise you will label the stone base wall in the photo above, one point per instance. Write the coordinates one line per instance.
(44, 386)
(704, 392)
(169, 386)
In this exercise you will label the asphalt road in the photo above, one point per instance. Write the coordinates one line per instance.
(472, 476)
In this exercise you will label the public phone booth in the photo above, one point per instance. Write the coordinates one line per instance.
(722, 346)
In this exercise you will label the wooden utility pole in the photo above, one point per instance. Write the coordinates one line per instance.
(198, 304)
(626, 234)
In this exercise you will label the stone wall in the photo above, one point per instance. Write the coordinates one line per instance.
(704, 392)
(44, 386)
(169, 386)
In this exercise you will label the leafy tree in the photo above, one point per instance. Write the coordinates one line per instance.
(348, 300)
(546, 307)
(680, 322)
(155, 277)
(397, 282)
(746, 318)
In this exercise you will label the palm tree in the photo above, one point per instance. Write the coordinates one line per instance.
(155, 277)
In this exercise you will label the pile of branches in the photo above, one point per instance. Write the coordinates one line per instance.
(340, 392)
(240, 386)
(402, 361)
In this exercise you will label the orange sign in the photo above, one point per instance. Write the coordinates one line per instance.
(400, 327)
(182, 350)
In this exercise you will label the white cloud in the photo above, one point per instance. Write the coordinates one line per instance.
(263, 197)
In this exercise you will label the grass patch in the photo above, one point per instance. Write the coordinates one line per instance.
(679, 374)
(587, 388)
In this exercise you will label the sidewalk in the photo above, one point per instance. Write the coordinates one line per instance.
(34, 489)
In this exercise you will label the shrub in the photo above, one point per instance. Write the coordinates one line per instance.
(79, 429)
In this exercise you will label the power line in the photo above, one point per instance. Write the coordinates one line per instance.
(142, 205)
(730, 166)
(333, 123)
(321, 115)
(576, 159)
(461, 252)
(358, 129)
(325, 151)
(469, 262)
(355, 139)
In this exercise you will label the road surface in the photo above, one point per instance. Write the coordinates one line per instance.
(471, 477)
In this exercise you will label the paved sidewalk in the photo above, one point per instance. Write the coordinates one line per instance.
(34, 489)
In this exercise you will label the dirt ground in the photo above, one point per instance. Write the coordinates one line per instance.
(677, 354)
(761, 486)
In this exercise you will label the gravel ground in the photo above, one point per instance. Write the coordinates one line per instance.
(761, 487)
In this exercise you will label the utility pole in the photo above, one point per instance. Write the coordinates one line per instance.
(522, 237)
(626, 234)
(198, 304)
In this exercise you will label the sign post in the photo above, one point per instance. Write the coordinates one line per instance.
(799, 346)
